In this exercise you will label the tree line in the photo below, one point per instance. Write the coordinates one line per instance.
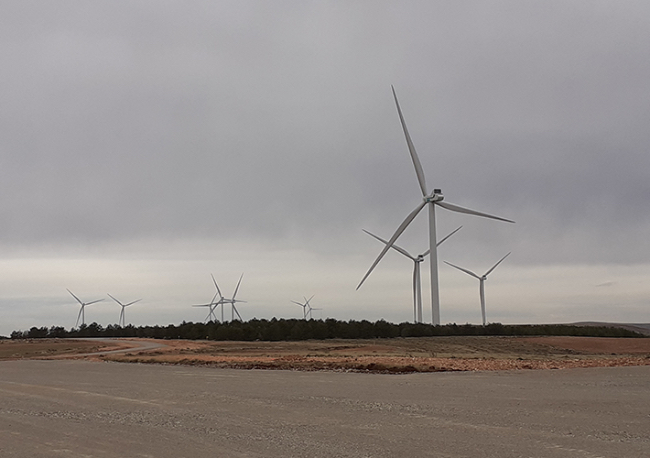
(296, 329)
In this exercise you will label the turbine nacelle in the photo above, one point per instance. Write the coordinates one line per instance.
(435, 196)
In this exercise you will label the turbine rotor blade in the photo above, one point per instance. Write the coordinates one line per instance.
(78, 300)
(495, 266)
(237, 288)
(131, 303)
(92, 302)
(456, 208)
(237, 312)
(79, 315)
(395, 247)
(115, 299)
(216, 286)
(450, 234)
(395, 236)
(468, 272)
(414, 155)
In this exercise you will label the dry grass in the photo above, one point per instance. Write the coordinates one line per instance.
(404, 355)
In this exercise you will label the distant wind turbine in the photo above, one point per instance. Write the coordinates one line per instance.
(304, 306)
(431, 199)
(309, 310)
(121, 322)
(82, 314)
(223, 300)
(417, 283)
(481, 280)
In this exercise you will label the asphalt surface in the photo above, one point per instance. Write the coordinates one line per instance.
(89, 409)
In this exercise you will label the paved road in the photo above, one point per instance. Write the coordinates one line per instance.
(88, 409)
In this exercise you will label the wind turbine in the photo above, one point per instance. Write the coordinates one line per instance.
(304, 306)
(417, 283)
(309, 310)
(431, 199)
(82, 315)
(231, 301)
(481, 280)
(121, 322)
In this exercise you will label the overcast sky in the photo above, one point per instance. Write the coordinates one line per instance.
(147, 144)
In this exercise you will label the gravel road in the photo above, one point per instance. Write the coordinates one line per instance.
(87, 409)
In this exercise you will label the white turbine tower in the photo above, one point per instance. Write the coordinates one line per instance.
(82, 314)
(304, 306)
(121, 322)
(417, 283)
(481, 280)
(431, 199)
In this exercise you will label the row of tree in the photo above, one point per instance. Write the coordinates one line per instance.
(293, 329)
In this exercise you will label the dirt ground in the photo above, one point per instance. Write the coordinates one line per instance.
(428, 354)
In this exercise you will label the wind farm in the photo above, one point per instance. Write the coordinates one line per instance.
(157, 151)
(432, 199)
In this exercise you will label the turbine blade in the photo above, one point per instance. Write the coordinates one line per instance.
(216, 286)
(445, 238)
(92, 302)
(131, 303)
(302, 305)
(495, 266)
(114, 299)
(237, 312)
(414, 155)
(237, 288)
(468, 272)
(456, 208)
(395, 247)
(395, 236)
(79, 315)
(78, 300)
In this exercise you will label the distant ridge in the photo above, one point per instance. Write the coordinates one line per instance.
(641, 328)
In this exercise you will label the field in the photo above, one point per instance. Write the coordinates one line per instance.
(427, 354)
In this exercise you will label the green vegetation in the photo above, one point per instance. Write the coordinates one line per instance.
(282, 329)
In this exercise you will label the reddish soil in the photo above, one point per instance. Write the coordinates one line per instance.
(404, 355)
(428, 354)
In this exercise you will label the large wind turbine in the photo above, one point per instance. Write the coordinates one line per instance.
(417, 283)
(481, 280)
(431, 199)
(121, 322)
(304, 306)
(82, 314)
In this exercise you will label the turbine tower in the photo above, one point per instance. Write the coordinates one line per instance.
(82, 314)
(481, 280)
(431, 200)
(417, 283)
(304, 306)
(121, 322)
